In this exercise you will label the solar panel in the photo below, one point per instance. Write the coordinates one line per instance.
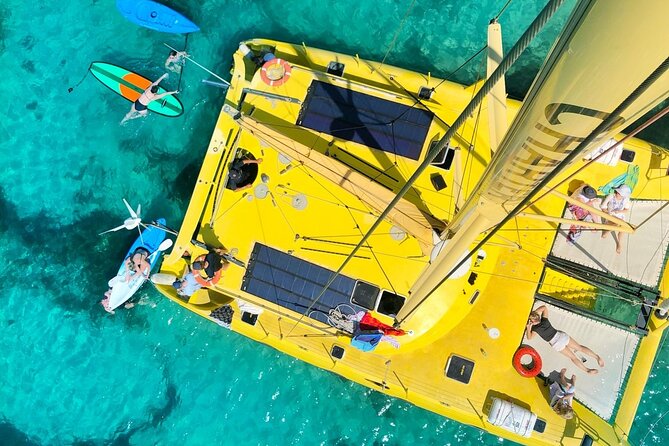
(294, 283)
(365, 119)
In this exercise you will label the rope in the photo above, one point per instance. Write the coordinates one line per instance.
(601, 128)
(506, 63)
(397, 33)
(88, 70)
(502, 10)
(657, 116)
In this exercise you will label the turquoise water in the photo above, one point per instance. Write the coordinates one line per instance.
(70, 373)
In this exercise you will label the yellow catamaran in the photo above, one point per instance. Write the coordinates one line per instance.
(343, 188)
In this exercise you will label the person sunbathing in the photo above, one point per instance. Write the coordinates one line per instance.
(538, 323)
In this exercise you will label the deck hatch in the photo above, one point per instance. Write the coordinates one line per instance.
(374, 122)
(294, 283)
(459, 369)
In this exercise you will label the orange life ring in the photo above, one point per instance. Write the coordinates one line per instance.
(275, 72)
(534, 367)
(208, 282)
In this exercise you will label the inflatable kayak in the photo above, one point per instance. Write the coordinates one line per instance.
(155, 16)
(131, 86)
(125, 284)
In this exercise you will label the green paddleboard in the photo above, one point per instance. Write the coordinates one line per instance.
(131, 86)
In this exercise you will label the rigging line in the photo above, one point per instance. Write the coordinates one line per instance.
(502, 10)
(362, 211)
(278, 206)
(397, 33)
(666, 203)
(231, 206)
(605, 293)
(600, 129)
(650, 429)
(631, 134)
(264, 239)
(505, 64)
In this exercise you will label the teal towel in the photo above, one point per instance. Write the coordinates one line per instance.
(631, 177)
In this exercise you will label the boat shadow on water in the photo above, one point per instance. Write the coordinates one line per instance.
(123, 434)
(78, 253)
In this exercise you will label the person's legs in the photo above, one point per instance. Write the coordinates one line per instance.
(575, 346)
(133, 113)
(619, 242)
(570, 354)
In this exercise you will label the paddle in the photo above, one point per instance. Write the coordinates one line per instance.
(204, 68)
(181, 71)
(165, 245)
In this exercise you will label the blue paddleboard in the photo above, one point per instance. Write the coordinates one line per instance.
(155, 16)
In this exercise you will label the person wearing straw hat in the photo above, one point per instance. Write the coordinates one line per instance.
(617, 204)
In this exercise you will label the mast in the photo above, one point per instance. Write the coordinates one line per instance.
(597, 62)
(497, 96)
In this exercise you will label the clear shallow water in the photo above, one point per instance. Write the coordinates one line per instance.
(157, 374)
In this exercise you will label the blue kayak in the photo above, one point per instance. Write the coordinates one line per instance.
(155, 16)
(122, 289)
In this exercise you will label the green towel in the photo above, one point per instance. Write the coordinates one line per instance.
(631, 177)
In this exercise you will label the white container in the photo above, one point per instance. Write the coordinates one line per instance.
(512, 418)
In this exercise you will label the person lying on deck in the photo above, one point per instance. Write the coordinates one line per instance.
(538, 323)
(140, 107)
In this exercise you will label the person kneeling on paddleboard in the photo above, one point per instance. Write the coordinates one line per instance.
(141, 106)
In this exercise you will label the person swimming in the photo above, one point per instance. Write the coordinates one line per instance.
(175, 60)
(140, 107)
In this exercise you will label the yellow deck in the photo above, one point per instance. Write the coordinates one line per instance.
(334, 221)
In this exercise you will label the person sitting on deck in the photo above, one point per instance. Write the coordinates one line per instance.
(538, 323)
(562, 393)
(588, 195)
(187, 286)
(238, 174)
(618, 204)
(140, 107)
(207, 268)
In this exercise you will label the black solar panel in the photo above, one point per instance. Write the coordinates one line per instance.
(365, 119)
(294, 283)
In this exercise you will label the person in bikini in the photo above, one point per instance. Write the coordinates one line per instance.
(538, 323)
(135, 264)
(140, 107)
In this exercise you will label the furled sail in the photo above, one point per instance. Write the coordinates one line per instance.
(587, 75)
